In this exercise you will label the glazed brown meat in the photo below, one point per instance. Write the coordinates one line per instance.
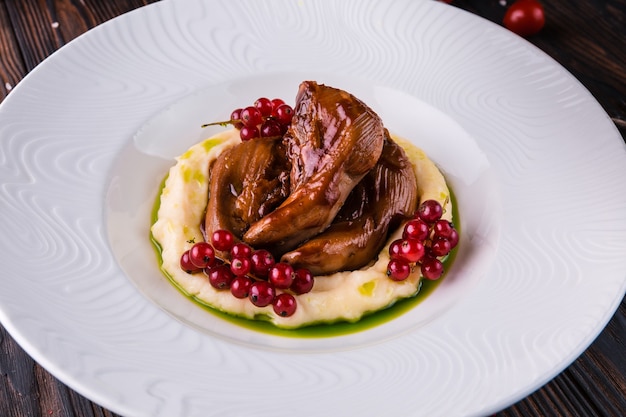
(385, 196)
(247, 182)
(333, 142)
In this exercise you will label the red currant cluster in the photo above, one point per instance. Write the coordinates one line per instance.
(426, 239)
(266, 118)
(248, 273)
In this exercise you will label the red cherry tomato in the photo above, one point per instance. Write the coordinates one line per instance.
(525, 17)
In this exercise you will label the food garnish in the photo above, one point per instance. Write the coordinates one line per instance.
(314, 191)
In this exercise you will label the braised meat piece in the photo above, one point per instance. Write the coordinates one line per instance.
(333, 141)
(247, 182)
(386, 196)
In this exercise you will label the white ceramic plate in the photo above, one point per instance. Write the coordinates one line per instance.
(88, 135)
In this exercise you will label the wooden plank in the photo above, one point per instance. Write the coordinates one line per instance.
(41, 27)
(12, 67)
(18, 390)
(32, 30)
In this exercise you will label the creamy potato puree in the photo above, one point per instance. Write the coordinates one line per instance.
(343, 296)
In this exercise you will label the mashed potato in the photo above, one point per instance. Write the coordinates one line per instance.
(343, 296)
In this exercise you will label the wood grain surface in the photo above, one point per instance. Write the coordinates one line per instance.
(587, 38)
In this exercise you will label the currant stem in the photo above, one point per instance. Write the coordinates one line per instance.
(224, 123)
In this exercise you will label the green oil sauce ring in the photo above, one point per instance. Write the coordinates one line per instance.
(368, 321)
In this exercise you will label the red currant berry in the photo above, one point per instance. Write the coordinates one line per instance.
(276, 103)
(271, 128)
(201, 254)
(262, 261)
(302, 281)
(395, 249)
(222, 240)
(398, 269)
(284, 305)
(284, 114)
(264, 105)
(235, 118)
(281, 275)
(442, 228)
(453, 238)
(240, 286)
(240, 266)
(524, 18)
(220, 276)
(431, 268)
(251, 116)
(240, 250)
(248, 133)
(413, 250)
(261, 293)
(415, 229)
(186, 265)
(440, 246)
(430, 211)
(410, 250)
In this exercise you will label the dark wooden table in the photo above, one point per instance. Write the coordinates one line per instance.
(588, 38)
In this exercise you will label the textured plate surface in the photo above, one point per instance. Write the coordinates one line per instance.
(556, 159)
